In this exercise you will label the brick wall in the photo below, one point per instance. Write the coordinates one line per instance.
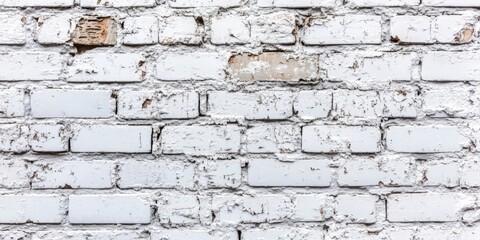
(239, 119)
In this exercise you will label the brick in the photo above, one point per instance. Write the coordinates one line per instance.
(14, 174)
(181, 234)
(273, 139)
(181, 210)
(310, 105)
(48, 138)
(425, 139)
(164, 174)
(451, 66)
(470, 173)
(382, 3)
(435, 207)
(111, 139)
(356, 208)
(108, 209)
(367, 67)
(204, 3)
(333, 139)
(14, 138)
(62, 103)
(158, 105)
(272, 66)
(296, 3)
(36, 3)
(16, 209)
(272, 105)
(31, 66)
(220, 174)
(73, 175)
(200, 140)
(13, 30)
(140, 30)
(117, 3)
(433, 232)
(299, 173)
(95, 31)
(282, 233)
(88, 234)
(230, 30)
(107, 68)
(411, 29)
(379, 171)
(184, 30)
(54, 29)
(455, 29)
(313, 207)
(233, 209)
(451, 3)
(191, 66)
(440, 174)
(398, 102)
(350, 29)
(275, 28)
(12, 104)
(458, 102)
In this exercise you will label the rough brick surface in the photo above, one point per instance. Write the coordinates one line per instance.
(239, 119)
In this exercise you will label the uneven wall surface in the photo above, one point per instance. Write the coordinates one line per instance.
(239, 119)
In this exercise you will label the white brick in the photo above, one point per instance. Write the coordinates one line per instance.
(88, 235)
(356, 208)
(117, 3)
(108, 209)
(14, 174)
(300, 173)
(33, 66)
(140, 30)
(290, 233)
(191, 66)
(331, 139)
(379, 3)
(14, 138)
(230, 30)
(247, 209)
(30, 208)
(383, 171)
(180, 209)
(162, 174)
(451, 3)
(182, 234)
(61, 103)
(12, 103)
(470, 174)
(102, 67)
(54, 29)
(427, 207)
(158, 105)
(411, 29)
(451, 66)
(431, 232)
(204, 3)
(104, 138)
(12, 29)
(350, 29)
(275, 28)
(48, 138)
(296, 3)
(313, 207)
(313, 104)
(367, 67)
(455, 28)
(425, 139)
(220, 174)
(457, 102)
(36, 3)
(261, 105)
(440, 174)
(399, 102)
(177, 29)
(273, 138)
(200, 140)
(73, 174)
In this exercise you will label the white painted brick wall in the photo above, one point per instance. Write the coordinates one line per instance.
(239, 119)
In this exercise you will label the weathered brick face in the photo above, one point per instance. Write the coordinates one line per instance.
(239, 119)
